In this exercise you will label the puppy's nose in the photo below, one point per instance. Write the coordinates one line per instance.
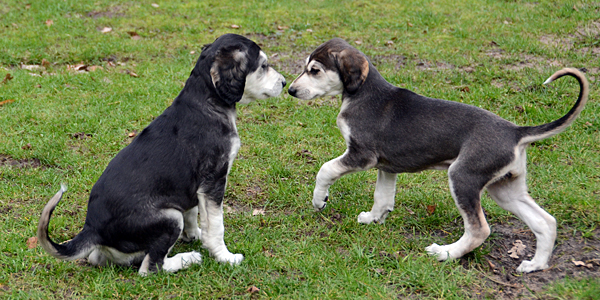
(292, 91)
(283, 83)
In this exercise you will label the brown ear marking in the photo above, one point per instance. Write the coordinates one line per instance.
(353, 67)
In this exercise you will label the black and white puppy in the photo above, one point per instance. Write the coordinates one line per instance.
(395, 130)
(153, 190)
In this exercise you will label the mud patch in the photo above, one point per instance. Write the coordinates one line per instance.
(503, 282)
(6, 160)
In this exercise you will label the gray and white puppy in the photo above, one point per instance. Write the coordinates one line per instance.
(396, 130)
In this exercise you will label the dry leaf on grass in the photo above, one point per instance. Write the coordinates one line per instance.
(6, 102)
(517, 249)
(49, 22)
(7, 78)
(234, 26)
(257, 212)
(430, 209)
(155, 5)
(106, 29)
(252, 289)
(78, 67)
(134, 35)
(32, 242)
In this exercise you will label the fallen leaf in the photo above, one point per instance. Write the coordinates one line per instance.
(155, 5)
(493, 266)
(192, 52)
(32, 242)
(309, 30)
(252, 290)
(49, 23)
(45, 63)
(465, 89)
(409, 24)
(7, 102)
(430, 209)
(132, 134)
(257, 212)
(78, 67)
(234, 26)
(575, 8)
(389, 43)
(357, 42)
(31, 67)
(26, 147)
(578, 263)
(94, 68)
(27, 6)
(517, 249)
(7, 78)
(106, 29)
(279, 27)
(132, 74)
(134, 35)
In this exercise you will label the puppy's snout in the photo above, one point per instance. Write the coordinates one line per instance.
(292, 91)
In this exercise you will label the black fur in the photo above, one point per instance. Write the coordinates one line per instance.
(186, 148)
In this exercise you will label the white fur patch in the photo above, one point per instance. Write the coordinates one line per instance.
(315, 84)
(263, 83)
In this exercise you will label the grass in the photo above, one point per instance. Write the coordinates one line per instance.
(493, 54)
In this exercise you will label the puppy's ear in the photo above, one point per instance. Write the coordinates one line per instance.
(228, 73)
(353, 67)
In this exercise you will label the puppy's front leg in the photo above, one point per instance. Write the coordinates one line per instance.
(332, 171)
(213, 231)
(385, 190)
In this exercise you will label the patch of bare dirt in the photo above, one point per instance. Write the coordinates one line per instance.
(398, 61)
(585, 36)
(6, 160)
(573, 256)
(110, 12)
(434, 66)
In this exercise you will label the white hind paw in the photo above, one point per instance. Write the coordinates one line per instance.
(530, 266)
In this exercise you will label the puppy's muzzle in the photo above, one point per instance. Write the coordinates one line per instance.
(292, 91)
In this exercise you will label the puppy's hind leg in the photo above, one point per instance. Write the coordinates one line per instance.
(167, 230)
(385, 190)
(347, 163)
(191, 232)
(511, 194)
(466, 193)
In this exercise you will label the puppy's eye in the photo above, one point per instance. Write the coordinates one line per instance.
(265, 66)
(314, 71)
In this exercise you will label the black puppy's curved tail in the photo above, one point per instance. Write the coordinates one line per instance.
(536, 133)
(79, 247)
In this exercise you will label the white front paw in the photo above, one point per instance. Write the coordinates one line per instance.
(232, 259)
(365, 218)
(440, 252)
(527, 266)
(319, 202)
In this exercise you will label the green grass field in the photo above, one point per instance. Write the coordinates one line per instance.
(60, 122)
